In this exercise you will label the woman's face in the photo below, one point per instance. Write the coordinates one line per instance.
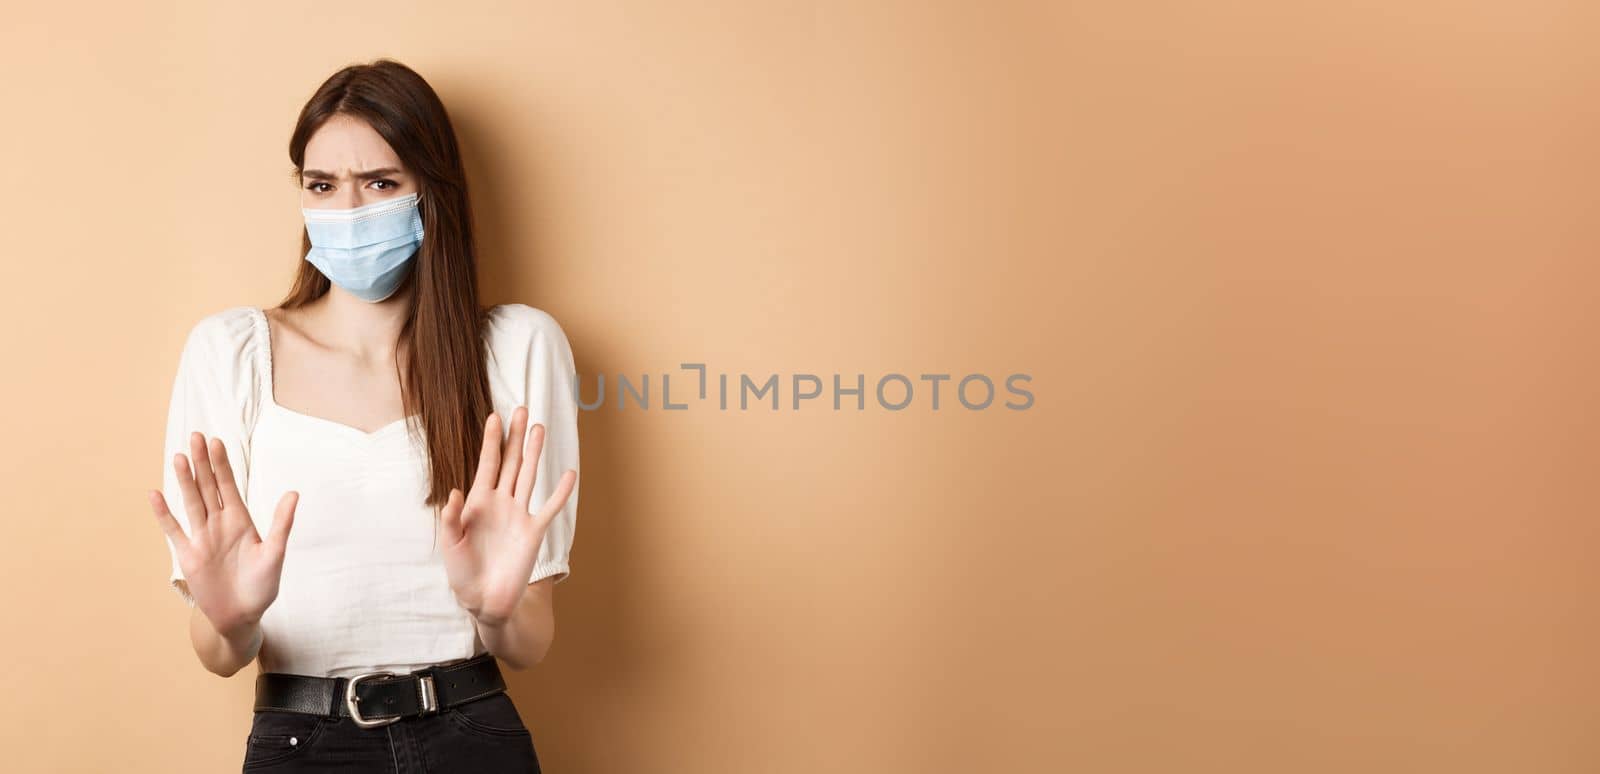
(348, 164)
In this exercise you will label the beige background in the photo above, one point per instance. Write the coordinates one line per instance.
(1306, 294)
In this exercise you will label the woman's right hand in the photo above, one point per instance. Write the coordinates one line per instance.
(232, 573)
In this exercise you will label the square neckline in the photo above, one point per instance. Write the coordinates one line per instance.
(264, 336)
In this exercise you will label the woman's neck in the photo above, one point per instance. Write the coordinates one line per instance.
(366, 330)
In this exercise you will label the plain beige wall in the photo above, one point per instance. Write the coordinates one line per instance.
(1306, 295)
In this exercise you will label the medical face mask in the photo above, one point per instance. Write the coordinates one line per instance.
(366, 250)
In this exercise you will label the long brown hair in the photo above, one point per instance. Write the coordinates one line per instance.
(443, 376)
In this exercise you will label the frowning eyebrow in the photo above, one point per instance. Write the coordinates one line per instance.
(371, 174)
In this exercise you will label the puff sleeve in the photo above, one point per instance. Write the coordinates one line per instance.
(534, 367)
(210, 395)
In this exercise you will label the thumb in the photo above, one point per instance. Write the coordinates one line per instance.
(450, 517)
(282, 520)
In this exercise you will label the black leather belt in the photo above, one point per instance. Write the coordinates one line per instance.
(380, 698)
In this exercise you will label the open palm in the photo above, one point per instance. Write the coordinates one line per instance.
(232, 573)
(491, 541)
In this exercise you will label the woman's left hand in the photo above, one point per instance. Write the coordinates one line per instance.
(490, 540)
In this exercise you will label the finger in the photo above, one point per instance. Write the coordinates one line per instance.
(169, 524)
(192, 502)
(558, 498)
(226, 488)
(282, 521)
(513, 453)
(530, 465)
(202, 472)
(450, 517)
(489, 455)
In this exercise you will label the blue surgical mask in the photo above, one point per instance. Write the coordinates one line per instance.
(366, 250)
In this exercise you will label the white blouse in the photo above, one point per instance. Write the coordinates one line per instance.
(363, 585)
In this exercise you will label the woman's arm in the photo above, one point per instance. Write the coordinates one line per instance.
(525, 637)
(223, 654)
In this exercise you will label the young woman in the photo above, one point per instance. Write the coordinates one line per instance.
(415, 536)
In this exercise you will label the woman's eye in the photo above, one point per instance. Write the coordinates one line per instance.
(313, 187)
(389, 183)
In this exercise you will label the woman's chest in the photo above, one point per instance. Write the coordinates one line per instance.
(356, 491)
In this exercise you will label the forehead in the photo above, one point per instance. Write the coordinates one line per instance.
(344, 143)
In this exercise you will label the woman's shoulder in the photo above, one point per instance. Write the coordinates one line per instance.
(526, 347)
(516, 325)
(227, 343)
(230, 322)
